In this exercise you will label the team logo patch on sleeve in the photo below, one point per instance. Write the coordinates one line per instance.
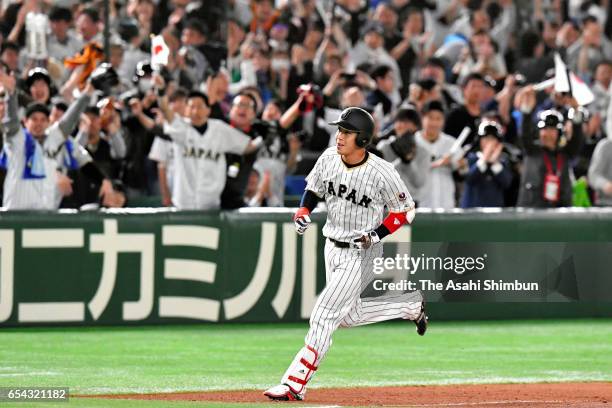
(401, 196)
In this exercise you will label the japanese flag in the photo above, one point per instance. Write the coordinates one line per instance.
(159, 52)
(579, 89)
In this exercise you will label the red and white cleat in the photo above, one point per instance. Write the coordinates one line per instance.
(282, 392)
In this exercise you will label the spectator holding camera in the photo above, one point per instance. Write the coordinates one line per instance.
(548, 151)
(434, 69)
(102, 138)
(139, 172)
(339, 83)
(489, 174)
(278, 158)
(399, 147)
(423, 91)
(273, 153)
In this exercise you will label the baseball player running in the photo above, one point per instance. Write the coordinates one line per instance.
(356, 186)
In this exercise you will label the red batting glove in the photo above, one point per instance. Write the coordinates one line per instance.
(302, 220)
(301, 212)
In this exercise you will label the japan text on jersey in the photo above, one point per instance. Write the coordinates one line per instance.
(357, 196)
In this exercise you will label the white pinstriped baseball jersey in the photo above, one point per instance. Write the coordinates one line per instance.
(356, 196)
(200, 166)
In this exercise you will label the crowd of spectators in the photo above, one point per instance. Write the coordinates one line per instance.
(249, 87)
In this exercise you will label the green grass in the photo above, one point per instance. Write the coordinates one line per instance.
(214, 357)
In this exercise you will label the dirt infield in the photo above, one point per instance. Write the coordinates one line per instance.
(583, 395)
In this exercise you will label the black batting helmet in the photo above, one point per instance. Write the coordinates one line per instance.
(359, 121)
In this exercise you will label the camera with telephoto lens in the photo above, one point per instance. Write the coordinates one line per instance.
(427, 84)
(104, 78)
(348, 76)
(404, 146)
(267, 130)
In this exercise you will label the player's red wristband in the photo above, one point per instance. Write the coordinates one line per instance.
(301, 212)
(394, 221)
